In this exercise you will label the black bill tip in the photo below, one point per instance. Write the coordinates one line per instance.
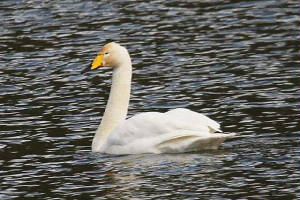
(88, 68)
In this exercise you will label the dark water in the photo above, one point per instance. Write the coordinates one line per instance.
(235, 61)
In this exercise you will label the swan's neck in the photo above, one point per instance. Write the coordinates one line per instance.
(117, 106)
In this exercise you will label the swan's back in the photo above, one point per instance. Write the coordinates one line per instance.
(178, 130)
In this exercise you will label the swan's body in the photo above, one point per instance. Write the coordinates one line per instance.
(176, 131)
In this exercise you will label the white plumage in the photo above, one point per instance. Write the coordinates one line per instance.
(176, 131)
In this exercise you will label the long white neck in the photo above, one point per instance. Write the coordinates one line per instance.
(117, 106)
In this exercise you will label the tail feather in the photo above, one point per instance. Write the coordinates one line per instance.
(192, 142)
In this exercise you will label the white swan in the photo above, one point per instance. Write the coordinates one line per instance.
(176, 131)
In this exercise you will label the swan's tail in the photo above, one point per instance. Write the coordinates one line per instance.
(192, 142)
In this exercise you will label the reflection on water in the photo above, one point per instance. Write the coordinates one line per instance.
(235, 61)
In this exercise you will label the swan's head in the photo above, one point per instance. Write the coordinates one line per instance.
(110, 55)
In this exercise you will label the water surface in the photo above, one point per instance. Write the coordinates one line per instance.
(235, 61)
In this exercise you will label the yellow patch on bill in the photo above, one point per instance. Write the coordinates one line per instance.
(97, 61)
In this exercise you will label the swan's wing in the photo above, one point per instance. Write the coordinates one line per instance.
(152, 124)
(189, 141)
(156, 129)
(191, 120)
(140, 126)
(176, 142)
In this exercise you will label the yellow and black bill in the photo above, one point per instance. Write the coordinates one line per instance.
(97, 62)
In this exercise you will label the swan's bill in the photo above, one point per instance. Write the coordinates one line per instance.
(97, 62)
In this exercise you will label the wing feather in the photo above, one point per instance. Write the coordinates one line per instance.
(161, 126)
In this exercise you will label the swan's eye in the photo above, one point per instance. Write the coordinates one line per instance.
(106, 53)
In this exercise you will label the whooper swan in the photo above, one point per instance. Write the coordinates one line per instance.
(176, 131)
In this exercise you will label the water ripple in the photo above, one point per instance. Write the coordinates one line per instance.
(235, 61)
